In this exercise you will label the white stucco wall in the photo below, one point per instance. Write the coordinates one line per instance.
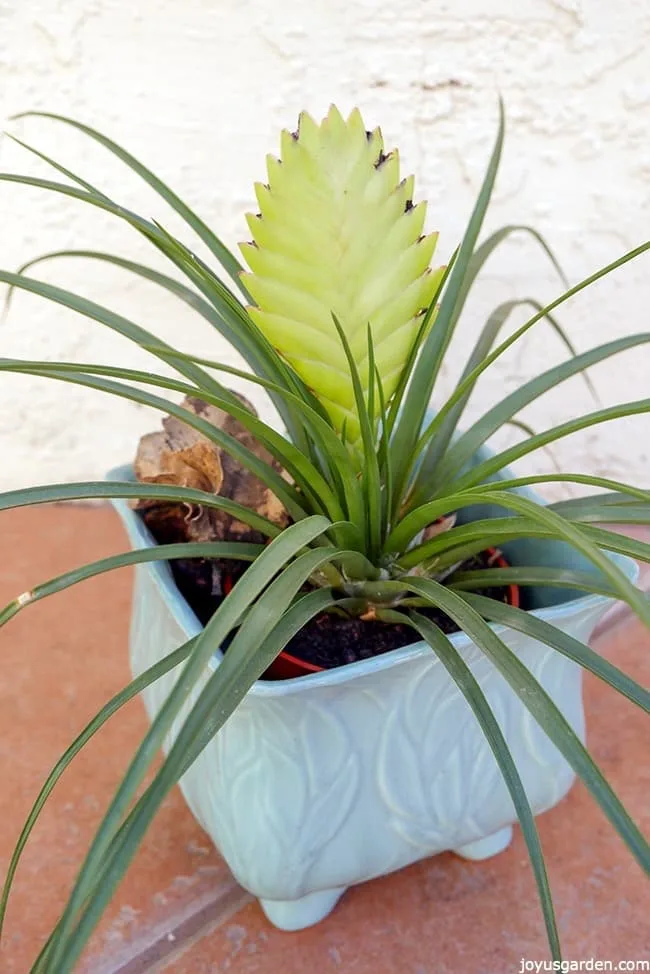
(199, 90)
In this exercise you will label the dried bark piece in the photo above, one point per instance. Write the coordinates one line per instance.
(197, 465)
(182, 456)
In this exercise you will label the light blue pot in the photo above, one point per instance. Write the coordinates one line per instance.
(321, 782)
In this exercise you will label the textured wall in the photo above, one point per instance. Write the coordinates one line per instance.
(199, 90)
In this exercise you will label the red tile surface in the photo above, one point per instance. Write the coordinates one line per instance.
(64, 657)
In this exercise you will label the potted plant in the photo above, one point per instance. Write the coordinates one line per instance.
(310, 784)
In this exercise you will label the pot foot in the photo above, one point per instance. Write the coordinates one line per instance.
(485, 848)
(304, 912)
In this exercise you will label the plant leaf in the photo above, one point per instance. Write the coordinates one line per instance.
(227, 615)
(541, 707)
(165, 552)
(467, 445)
(573, 649)
(421, 489)
(500, 460)
(237, 326)
(367, 425)
(89, 187)
(427, 368)
(559, 526)
(252, 650)
(469, 539)
(530, 575)
(471, 690)
(123, 326)
(270, 477)
(440, 443)
(104, 489)
(114, 704)
(227, 260)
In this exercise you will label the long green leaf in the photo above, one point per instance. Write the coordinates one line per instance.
(420, 490)
(89, 187)
(561, 529)
(227, 260)
(471, 690)
(619, 492)
(461, 542)
(573, 649)
(531, 575)
(292, 540)
(613, 507)
(293, 620)
(494, 323)
(118, 323)
(433, 349)
(236, 325)
(498, 461)
(487, 248)
(541, 707)
(414, 522)
(496, 531)
(266, 473)
(329, 451)
(229, 305)
(454, 546)
(116, 702)
(493, 420)
(238, 550)
(425, 326)
(589, 511)
(440, 443)
(311, 481)
(321, 432)
(186, 294)
(226, 683)
(248, 656)
(370, 465)
(220, 310)
(104, 490)
(383, 453)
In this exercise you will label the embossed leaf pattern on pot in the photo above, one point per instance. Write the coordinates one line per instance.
(309, 760)
(419, 758)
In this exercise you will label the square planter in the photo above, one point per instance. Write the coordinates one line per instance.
(317, 783)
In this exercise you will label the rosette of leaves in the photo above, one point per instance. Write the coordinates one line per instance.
(343, 323)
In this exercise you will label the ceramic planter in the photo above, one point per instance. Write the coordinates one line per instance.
(318, 783)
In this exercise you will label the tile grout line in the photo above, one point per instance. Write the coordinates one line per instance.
(162, 943)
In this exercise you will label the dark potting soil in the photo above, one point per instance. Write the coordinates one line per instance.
(328, 640)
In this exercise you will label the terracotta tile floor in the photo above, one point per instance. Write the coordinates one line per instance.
(178, 907)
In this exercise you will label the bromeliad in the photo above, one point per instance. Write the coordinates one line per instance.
(344, 324)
